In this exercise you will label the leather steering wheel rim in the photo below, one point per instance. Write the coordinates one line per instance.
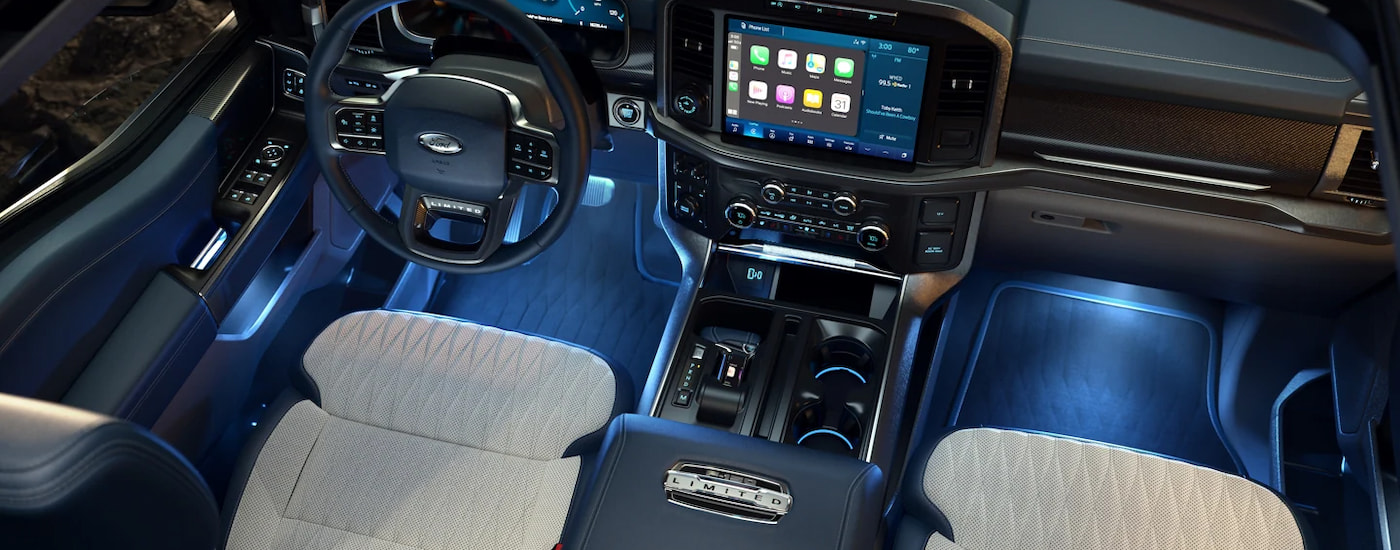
(573, 139)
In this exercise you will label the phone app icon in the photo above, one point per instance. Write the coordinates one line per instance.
(758, 55)
(812, 99)
(816, 63)
(787, 95)
(787, 59)
(840, 103)
(733, 86)
(758, 90)
(844, 68)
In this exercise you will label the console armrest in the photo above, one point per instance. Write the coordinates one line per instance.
(835, 500)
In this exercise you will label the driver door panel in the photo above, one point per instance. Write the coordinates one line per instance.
(104, 303)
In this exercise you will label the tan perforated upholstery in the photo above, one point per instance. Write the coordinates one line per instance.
(432, 433)
(1004, 490)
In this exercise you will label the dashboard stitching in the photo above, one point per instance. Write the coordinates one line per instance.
(1187, 60)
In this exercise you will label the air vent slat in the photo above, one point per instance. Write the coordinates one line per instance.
(693, 42)
(1361, 178)
(366, 36)
(966, 80)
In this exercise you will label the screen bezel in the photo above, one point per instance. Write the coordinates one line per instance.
(927, 111)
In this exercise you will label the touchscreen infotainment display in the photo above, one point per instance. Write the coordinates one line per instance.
(824, 90)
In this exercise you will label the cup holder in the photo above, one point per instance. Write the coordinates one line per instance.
(843, 360)
(827, 426)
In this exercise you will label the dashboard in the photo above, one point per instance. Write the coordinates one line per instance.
(879, 131)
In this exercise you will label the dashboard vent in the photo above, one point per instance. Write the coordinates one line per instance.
(966, 79)
(693, 42)
(1362, 179)
(367, 36)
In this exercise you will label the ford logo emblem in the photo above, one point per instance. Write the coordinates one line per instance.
(441, 144)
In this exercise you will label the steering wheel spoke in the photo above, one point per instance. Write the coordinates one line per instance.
(454, 230)
(357, 125)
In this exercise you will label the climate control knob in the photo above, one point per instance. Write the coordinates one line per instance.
(740, 213)
(845, 204)
(773, 192)
(873, 236)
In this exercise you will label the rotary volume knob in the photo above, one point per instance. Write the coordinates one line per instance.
(740, 213)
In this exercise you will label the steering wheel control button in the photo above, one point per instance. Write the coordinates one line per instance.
(873, 237)
(740, 214)
(773, 192)
(294, 83)
(845, 204)
(940, 211)
(934, 248)
(360, 130)
(530, 157)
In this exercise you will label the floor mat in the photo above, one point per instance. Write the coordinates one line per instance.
(1059, 362)
(585, 289)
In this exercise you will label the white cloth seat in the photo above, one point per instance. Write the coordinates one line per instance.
(430, 433)
(1003, 490)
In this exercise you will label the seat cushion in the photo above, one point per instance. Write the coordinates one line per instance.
(1000, 490)
(431, 433)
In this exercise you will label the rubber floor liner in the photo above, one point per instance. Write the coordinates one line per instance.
(585, 289)
(1125, 374)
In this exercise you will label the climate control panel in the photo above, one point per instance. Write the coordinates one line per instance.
(893, 229)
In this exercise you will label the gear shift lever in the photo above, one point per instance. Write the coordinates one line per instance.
(721, 401)
(738, 347)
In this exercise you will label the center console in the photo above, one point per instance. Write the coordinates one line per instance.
(801, 149)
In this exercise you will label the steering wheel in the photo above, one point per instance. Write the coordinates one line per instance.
(463, 144)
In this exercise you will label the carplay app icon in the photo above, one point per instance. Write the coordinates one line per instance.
(840, 103)
(844, 68)
(787, 59)
(812, 99)
(787, 95)
(816, 63)
(758, 90)
(758, 55)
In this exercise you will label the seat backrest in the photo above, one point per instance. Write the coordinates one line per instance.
(74, 479)
(990, 489)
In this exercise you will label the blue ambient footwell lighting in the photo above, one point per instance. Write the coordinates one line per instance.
(1057, 361)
